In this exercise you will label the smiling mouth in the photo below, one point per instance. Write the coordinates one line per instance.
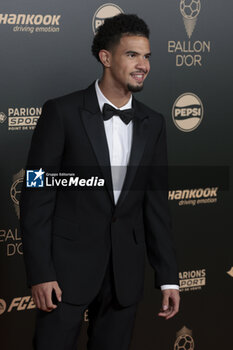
(138, 77)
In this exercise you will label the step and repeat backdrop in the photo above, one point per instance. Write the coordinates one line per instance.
(45, 53)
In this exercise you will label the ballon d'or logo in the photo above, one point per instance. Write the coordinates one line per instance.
(190, 9)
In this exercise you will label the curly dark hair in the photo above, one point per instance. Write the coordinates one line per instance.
(113, 28)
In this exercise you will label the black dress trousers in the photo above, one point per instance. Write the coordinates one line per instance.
(110, 324)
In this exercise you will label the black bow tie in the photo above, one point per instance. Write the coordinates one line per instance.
(126, 115)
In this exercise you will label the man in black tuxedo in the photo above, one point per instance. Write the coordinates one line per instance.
(85, 248)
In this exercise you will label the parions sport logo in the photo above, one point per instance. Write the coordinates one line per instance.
(22, 118)
(187, 112)
(192, 280)
(103, 12)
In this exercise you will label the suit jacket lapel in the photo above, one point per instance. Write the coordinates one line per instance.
(94, 125)
(140, 136)
(93, 122)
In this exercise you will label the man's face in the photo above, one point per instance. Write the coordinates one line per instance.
(130, 62)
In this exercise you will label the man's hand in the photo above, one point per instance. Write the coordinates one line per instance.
(42, 295)
(170, 303)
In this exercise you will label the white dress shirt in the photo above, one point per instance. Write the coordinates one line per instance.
(119, 139)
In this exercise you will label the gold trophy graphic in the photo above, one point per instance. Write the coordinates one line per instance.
(190, 9)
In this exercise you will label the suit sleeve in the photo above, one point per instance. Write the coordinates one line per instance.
(37, 205)
(157, 221)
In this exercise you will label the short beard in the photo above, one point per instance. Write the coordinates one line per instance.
(133, 88)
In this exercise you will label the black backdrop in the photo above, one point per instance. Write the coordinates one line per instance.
(45, 53)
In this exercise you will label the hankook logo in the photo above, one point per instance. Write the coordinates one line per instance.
(31, 23)
(194, 196)
(187, 112)
(103, 12)
(190, 9)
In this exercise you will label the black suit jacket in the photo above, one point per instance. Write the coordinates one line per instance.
(67, 234)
